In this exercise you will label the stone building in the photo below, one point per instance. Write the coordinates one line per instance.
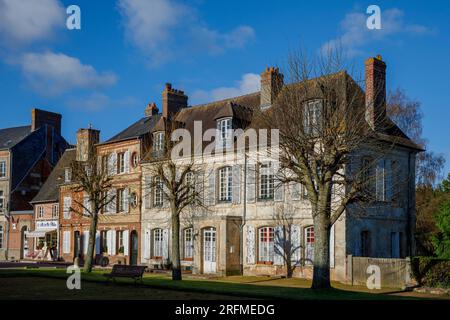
(237, 231)
(27, 156)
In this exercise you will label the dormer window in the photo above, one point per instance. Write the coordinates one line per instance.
(158, 141)
(225, 133)
(67, 175)
(313, 116)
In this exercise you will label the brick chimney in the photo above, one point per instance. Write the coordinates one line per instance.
(86, 140)
(40, 118)
(173, 100)
(151, 110)
(375, 92)
(271, 83)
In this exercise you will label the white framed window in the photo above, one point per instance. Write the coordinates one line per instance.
(266, 247)
(55, 211)
(158, 192)
(2, 200)
(2, 169)
(309, 245)
(225, 184)
(313, 116)
(158, 243)
(190, 182)
(158, 141)
(266, 181)
(120, 200)
(225, 133)
(67, 175)
(121, 162)
(188, 243)
(135, 159)
(1, 237)
(40, 214)
(66, 208)
(120, 243)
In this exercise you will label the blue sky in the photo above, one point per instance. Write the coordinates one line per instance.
(107, 72)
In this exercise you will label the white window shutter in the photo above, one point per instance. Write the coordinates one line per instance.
(165, 245)
(236, 184)
(113, 242)
(126, 234)
(67, 205)
(99, 164)
(147, 192)
(85, 241)
(109, 241)
(295, 244)
(278, 243)
(251, 183)
(165, 201)
(85, 204)
(332, 246)
(380, 180)
(211, 195)
(97, 242)
(296, 191)
(279, 191)
(389, 180)
(146, 244)
(112, 198)
(126, 200)
(126, 159)
(251, 257)
(66, 242)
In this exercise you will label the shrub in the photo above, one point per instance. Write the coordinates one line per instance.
(431, 271)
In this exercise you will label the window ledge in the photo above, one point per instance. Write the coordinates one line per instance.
(270, 263)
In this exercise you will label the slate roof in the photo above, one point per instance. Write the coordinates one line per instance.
(50, 189)
(9, 137)
(136, 130)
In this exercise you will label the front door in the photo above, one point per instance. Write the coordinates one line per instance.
(134, 248)
(209, 250)
(77, 244)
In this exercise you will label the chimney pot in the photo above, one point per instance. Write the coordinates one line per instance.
(375, 70)
(271, 83)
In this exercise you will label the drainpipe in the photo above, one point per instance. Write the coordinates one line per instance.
(408, 211)
(244, 214)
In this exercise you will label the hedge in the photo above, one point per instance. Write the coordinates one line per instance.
(431, 271)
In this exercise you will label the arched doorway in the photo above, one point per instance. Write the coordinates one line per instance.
(134, 248)
(209, 250)
(23, 243)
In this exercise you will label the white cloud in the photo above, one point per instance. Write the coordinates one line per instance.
(165, 29)
(98, 101)
(250, 82)
(355, 33)
(24, 22)
(54, 73)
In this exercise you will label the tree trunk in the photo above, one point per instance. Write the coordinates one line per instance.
(321, 273)
(91, 246)
(176, 260)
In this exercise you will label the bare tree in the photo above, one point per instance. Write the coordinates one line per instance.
(179, 181)
(93, 181)
(321, 117)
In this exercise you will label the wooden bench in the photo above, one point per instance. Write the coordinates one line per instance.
(124, 271)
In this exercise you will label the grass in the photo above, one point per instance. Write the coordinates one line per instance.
(50, 284)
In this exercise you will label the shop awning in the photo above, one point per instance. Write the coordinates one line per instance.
(38, 233)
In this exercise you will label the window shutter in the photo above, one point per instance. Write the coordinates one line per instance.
(126, 160)
(389, 180)
(251, 245)
(380, 174)
(111, 164)
(97, 242)
(251, 183)
(109, 241)
(165, 244)
(85, 241)
(99, 164)
(332, 246)
(126, 200)
(165, 200)
(146, 245)
(295, 244)
(296, 189)
(112, 205)
(147, 192)
(113, 242)
(211, 195)
(126, 234)
(66, 242)
(86, 205)
(278, 243)
(279, 190)
(67, 205)
(236, 184)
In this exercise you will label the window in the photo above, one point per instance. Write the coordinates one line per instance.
(365, 243)
(396, 244)
(1, 237)
(366, 175)
(309, 245)
(266, 181)
(190, 183)
(134, 200)
(119, 245)
(67, 205)
(188, 243)
(121, 162)
(158, 193)
(2, 200)
(225, 133)
(134, 159)
(266, 244)
(313, 116)
(2, 169)
(158, 141)
(225, 183)
(104, 163)
(67, 175)
(120, 200)
(40, 212)
(103, 241)
(55, 211)
(157, 243)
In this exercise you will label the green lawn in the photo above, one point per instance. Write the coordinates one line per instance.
(50, 284)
